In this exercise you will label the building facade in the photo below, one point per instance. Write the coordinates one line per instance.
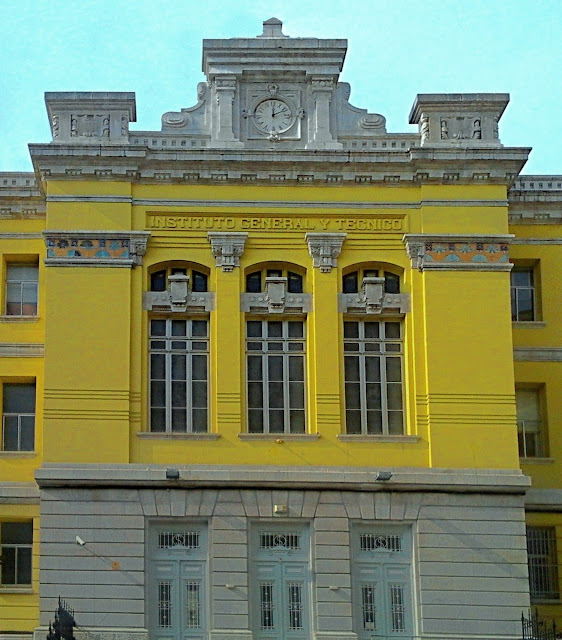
(260, 376)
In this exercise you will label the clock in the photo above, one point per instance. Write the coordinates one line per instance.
(273, 116)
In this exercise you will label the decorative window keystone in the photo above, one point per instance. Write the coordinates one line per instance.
(227, 248)
(325, 249)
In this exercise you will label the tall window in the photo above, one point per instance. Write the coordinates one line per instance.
(523, 294)
(18, 417)
(16, 539)
(275, 376)
(373, 353)
(179, 374)
(21, 289)
(529, 423)
(543, 563)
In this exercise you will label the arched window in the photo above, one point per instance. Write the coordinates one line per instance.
(256, 280)
(351, 282)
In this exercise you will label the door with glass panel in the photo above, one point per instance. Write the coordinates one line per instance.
(176, 590)
(382, 594)
(280, 583)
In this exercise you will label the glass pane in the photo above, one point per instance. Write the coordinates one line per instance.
(255, 395)
(275, 346)
(157, 327)
(179, 371)
(13, 292)
(351, 330)
(27, 433)
(371, 330)
(158, 420)
(394, 397)
(199, 420)
(353, 421)
(393, 370)
(295, 605)
(254, 346)
(158, 393)
(275, 395)
(372, 369)
(158, 366)
(296, 368)
(253, 282)
(179, 394)
(255, 421)
(525, 305)
(179, 328)
(8, 565)
(368, 607)
(179, 421)
(179, 345)
(199, 328)
(274, 329)
(373, 393)
(522, 277)
(352, 396)
(391, 282)
(199, 281)
(158, 345)
(351, 346)
(10, 434)
(266, 606)
(294, 282)
(253, 329)
(199, 367)
(297, 421)
(193, 605)
(296, 329)
(395, 424)
(351, 366)
(17, 532)
(23, 566)
(255, 368)
(19, 398)
(22, 272)
(275, 368)
(392, 330)
(199, 394)
(296, 395)
(350, 283)
(199, 346)
(296, 346)
(158, 281)
(276, 421)
(274, 273)
(29, 292)
(374, 422)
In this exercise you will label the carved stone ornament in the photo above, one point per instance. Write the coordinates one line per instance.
(458, 253)
(178, 298)
(227, 248)
(325, 249)
(275, 299)
(95, 248)
(373, 300)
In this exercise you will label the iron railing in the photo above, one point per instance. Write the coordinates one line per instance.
(534, 628)
(63, 626)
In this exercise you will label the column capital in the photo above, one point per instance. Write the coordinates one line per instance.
(227, 248)
(325, 249)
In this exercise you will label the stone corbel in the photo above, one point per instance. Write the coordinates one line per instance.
(450, 252)
(276, 299)
(178, 297)
(373, 300)
(227, 248)
(325, 249)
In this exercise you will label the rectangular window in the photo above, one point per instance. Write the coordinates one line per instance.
(18, 417)
(543, 563)
(179, 374)
(373, 353)
(523, 307)
(529, 423)
(16, 540)
(275, 376)
(21, 289)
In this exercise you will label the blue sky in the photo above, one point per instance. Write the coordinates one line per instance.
(396, 49)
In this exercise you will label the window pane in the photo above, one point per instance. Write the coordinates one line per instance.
(394, 397)
(352, 396)
(199, 328)
(296, 395)
(352, 421)
(255, 395)
(522, 277)
(158, 420)
(351, 366)
(297, 422)
(296, 329)
(274, 329)
(27, 433)
(199, 420)
(351, 330)
(276, 400)
(22, 272)
(294, 282)
(525, 310)
(372, 330)
(179, 328)
(16, 532)
(350, 283)
(199, 366)
(373, 396)
(372, 369)
(19, 398)
(253, 329)
(374, 422)
(255, 421)
(179, 421)
(179, 394)
(253, 282)
(275, 368)
(8, 565)
(23, 566)
(158, 393)
(158, 328)
(274, 273)
(10, 434)
(199, 281)
(158, 281)
(391, 282)
(179, 371)
(199, 394)
(296, 368)
(276, 421)
(158, 366)
(395, 426)
(255, 368)
(393, 370)
(392, 330)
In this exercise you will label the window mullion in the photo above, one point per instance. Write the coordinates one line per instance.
(168, 385)
(265, 376)
(286, 397)
(362, 379)
(189, 355)
(384, 391)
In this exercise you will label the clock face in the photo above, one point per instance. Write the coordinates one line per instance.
(273, 116)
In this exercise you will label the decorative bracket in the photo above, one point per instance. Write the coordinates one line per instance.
(460, 253)
(325, 249)
(178, 298)
(276, 299)
(227, 248)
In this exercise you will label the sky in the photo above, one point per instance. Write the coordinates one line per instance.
(397, 49)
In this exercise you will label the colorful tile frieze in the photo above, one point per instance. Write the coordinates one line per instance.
(89, 248)
(466, 252)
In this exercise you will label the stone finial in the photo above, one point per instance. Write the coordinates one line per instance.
(273, 28)
(459, 119)
(325, 249)
(227, 248)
